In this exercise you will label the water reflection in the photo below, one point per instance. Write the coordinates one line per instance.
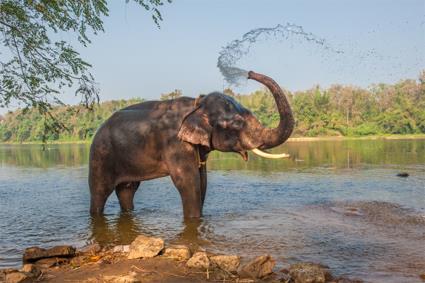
(121, 230)
(331, 154)
(52, 156)
(126, 226)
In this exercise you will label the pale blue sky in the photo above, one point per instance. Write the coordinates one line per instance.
(135, 59)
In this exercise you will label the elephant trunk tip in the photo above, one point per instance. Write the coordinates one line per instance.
(251, 74)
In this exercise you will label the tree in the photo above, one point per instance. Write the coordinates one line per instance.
(172, 95)
(35, 65)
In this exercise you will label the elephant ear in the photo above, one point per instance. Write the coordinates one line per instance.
(195, 128)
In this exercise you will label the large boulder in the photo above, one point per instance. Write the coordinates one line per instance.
(199, 260)
(307, 272)
(35, 253)
(145, 247)
(178, 252)
(259, 267)
(229, 263)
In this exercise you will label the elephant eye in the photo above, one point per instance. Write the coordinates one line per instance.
(237, 124)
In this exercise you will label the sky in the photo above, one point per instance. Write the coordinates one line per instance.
(382, 40)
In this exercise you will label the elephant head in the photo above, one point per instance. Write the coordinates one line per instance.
(219, 122)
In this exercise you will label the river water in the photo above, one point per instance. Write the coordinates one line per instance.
(338, 203)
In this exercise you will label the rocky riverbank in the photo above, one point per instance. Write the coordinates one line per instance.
(149, 259)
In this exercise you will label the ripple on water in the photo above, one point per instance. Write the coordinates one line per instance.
(357, 217)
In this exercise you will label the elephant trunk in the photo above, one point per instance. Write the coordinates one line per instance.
(275, 136)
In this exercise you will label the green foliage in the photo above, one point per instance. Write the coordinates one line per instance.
(172, 95)
(79, 122)
(348, 111)
(336, 111)
(38, 65)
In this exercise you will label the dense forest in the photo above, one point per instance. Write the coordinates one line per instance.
(335, 111)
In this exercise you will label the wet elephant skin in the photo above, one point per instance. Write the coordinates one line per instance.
(173, 138)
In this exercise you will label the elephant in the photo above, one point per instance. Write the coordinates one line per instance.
(173, 138)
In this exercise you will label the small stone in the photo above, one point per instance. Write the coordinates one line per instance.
(35, 253)
(18, 277)
(121, 249)
(178, 252)
(259, 267)
(306, 272)
(32, 269)
(199, 260)
(50, 262)
(145, 247)
(229, 263)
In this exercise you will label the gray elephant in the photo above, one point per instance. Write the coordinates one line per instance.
(174, 137)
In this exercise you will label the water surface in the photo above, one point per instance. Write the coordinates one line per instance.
(339, 203)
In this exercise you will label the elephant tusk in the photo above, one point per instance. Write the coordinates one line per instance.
(269, 155)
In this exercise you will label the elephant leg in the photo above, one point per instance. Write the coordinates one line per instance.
(203, 179)
(185, 177)
(99, 193)
(125, 193)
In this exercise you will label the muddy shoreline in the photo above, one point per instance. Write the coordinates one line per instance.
(150, 259)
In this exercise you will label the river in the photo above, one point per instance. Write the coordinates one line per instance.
(338, 203)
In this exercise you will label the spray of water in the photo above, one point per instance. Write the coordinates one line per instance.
(237, 49)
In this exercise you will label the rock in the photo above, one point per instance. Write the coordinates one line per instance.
(91, 249)
(229, 263)
(50, 262)
(32, 269)
(259, 267)
(199, 260)
(35, 253)
(306, 272)
(403, 174)
(145, 247)
(178, 252)
(19, 277)
(121, 249)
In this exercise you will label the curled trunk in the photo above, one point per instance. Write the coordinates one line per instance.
(275, 136)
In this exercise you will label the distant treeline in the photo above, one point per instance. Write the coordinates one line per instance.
(336, 111)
